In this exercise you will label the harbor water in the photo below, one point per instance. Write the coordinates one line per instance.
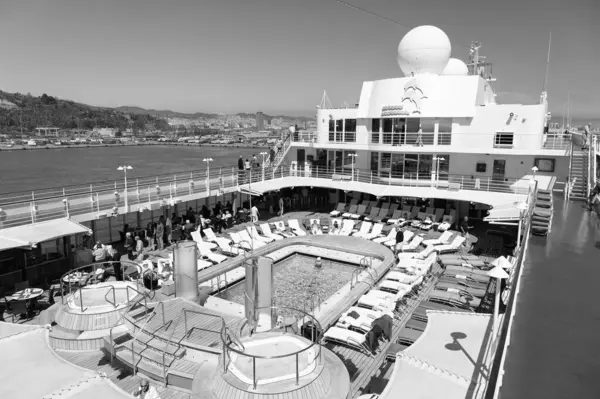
(38, 169)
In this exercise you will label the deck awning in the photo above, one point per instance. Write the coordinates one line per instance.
(506, 213)
(29, 235)
(248, 191)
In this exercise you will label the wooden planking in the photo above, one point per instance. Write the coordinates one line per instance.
(76, 344)
(119, 374)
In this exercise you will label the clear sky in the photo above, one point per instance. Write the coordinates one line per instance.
(278, 56)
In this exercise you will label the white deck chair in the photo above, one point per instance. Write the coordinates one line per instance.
(295, 226)
(376, 303)
(364, 229)
(391, 236)
(408, 235)
(376, 232)
(228, 248)
(280, 227)
(414, 244)
(346, 228)
(373, 214)
(266, 230)
(444, 239)
(237, 239)
(452, 247)
(395, 287)
(253, 233)
(362, 323)
(212, 237)
(359, 212)
(430, 249)
(439, 214)
(318, 230)
(351, 211)
(401, 277)
(370, 313)
(196, 236)
(203, 264)
(205, 252)
(254, 243)
(340, 209)
(346, 337)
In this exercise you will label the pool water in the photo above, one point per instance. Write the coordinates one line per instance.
(296, 280)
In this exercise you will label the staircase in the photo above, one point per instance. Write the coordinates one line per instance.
(542, 213)
(282, 151)
(578, 177)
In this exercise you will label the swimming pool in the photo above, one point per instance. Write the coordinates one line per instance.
(296, 280)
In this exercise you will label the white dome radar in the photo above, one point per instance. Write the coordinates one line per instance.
(425, 49)
(456, 67)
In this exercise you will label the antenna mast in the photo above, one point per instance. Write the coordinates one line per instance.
(477, 64)
(325, 103)
(547, 64)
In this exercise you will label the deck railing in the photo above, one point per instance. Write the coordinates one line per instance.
(108, 199)
(550, 141)
(315, 341)
(503, 338)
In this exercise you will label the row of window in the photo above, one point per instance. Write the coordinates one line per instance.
(342, 130)
(414, 166)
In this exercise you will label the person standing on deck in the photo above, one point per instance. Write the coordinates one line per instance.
(399, 241)
(464, 229)
(280, 213)
(129, 245)
(254, 214)
(160, 233)
(419, 142)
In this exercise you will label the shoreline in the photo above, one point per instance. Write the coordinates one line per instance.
(58, 147)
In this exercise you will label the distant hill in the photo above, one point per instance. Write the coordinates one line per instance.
(24, 110)
(163, 113)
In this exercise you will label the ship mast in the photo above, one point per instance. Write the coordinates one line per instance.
(478, 65)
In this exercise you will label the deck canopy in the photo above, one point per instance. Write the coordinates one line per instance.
(29, 235)
(450, 360)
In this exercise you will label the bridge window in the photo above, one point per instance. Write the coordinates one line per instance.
(504, 140)
(444, 167)
(445, 131)
(375, 163)
(339, 130)
(425, 161)
(399, 131)
(331, 130)
(397, 166)
(348, 160)
(350, 130)
(411, 166)
(388, 125)
(428, 130)
(386, 160)
(375, 127)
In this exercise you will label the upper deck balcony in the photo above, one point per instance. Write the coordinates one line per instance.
(557, 144)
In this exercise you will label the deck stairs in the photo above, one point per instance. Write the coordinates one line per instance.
(159, 347)
(541, 219)
(282, 151)
(578, 176)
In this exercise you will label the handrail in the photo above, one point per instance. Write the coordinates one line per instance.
(590, 156)
(95, 266)
(312, 299)
(570, 177)
(227, 348)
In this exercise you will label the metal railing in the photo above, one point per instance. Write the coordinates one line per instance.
(503, 338)
(569, 183)
(101, 201)
(550, 141)
(94, 267)
(227, 348)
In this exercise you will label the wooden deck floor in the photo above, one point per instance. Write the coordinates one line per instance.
(119, 374)
(369, 374)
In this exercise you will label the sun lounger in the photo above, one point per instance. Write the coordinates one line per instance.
(362, 323)
(257, 237)
(395, 216)
(376, 232)
(383, 212)
(315, 230)
(237, 239)
(346, 228)
(444, 239)
(281, 229)
(376, 303)
(382, 295)
(206, 253)
(392, 352)
(418, 220)
(359, 212)
(351, 211)
(401, 277)
(416, 325)
(266, 230)
(391, 236)
(452, 247)
(395, 287)
(408, 235)
(212, 237)
(370, 313)
(417, 255)
(295, 227)
(439, 214)
(337, 211)
(408, 336)
(346, 337)
(373, 214)
(228, 249)
(413, 244)
(255, 243)
(364, 229)
(447, 221)
(196, 236)
(333, 230)
(427, 223)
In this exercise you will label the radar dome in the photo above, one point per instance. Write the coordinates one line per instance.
(456, 67)
(425, 49)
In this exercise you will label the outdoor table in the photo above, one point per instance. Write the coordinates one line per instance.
(75, 278)
(27, 294)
